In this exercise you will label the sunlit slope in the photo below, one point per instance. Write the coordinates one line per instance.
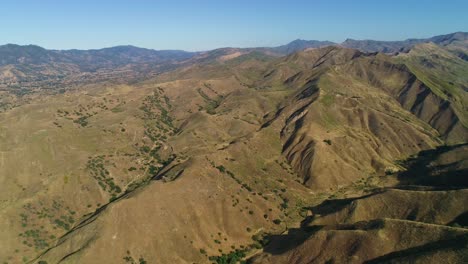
(424, 222)
(356, 116)
(191, 132)
(444, 73)
(206, 159)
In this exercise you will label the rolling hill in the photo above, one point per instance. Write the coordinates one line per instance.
(306, 153)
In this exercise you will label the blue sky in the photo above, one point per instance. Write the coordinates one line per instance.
(203, 25)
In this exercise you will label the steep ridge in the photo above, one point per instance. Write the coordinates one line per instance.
(412, 94)
(376, 228)
(349, 96)
(445, 74)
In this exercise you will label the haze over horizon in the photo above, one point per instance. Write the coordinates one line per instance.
(210, 24)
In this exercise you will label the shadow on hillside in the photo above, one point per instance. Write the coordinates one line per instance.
(282, 243)
(424, 172)
(460, 220)
(332, 206)
(423, 169)
(457, 243)
(279, 244)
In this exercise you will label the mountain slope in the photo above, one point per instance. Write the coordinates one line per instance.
(429, 228)
(443, 73)
(398, 46)
(300, 44)
(212, 157)
(361, 97)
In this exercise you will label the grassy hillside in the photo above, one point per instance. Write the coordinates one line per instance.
(443, 72)
(212, 159)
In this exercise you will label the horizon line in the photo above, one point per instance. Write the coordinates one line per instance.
(232, 47)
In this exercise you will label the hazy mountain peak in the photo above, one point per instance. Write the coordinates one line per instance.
(395, 46)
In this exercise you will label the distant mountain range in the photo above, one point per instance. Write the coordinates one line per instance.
(300, 44)
(12, 54)
(396, 46)
(88, 60)
(32, 66)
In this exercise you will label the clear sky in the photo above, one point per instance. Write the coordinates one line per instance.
(203, 25)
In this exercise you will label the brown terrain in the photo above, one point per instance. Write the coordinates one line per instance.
(322, 154)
